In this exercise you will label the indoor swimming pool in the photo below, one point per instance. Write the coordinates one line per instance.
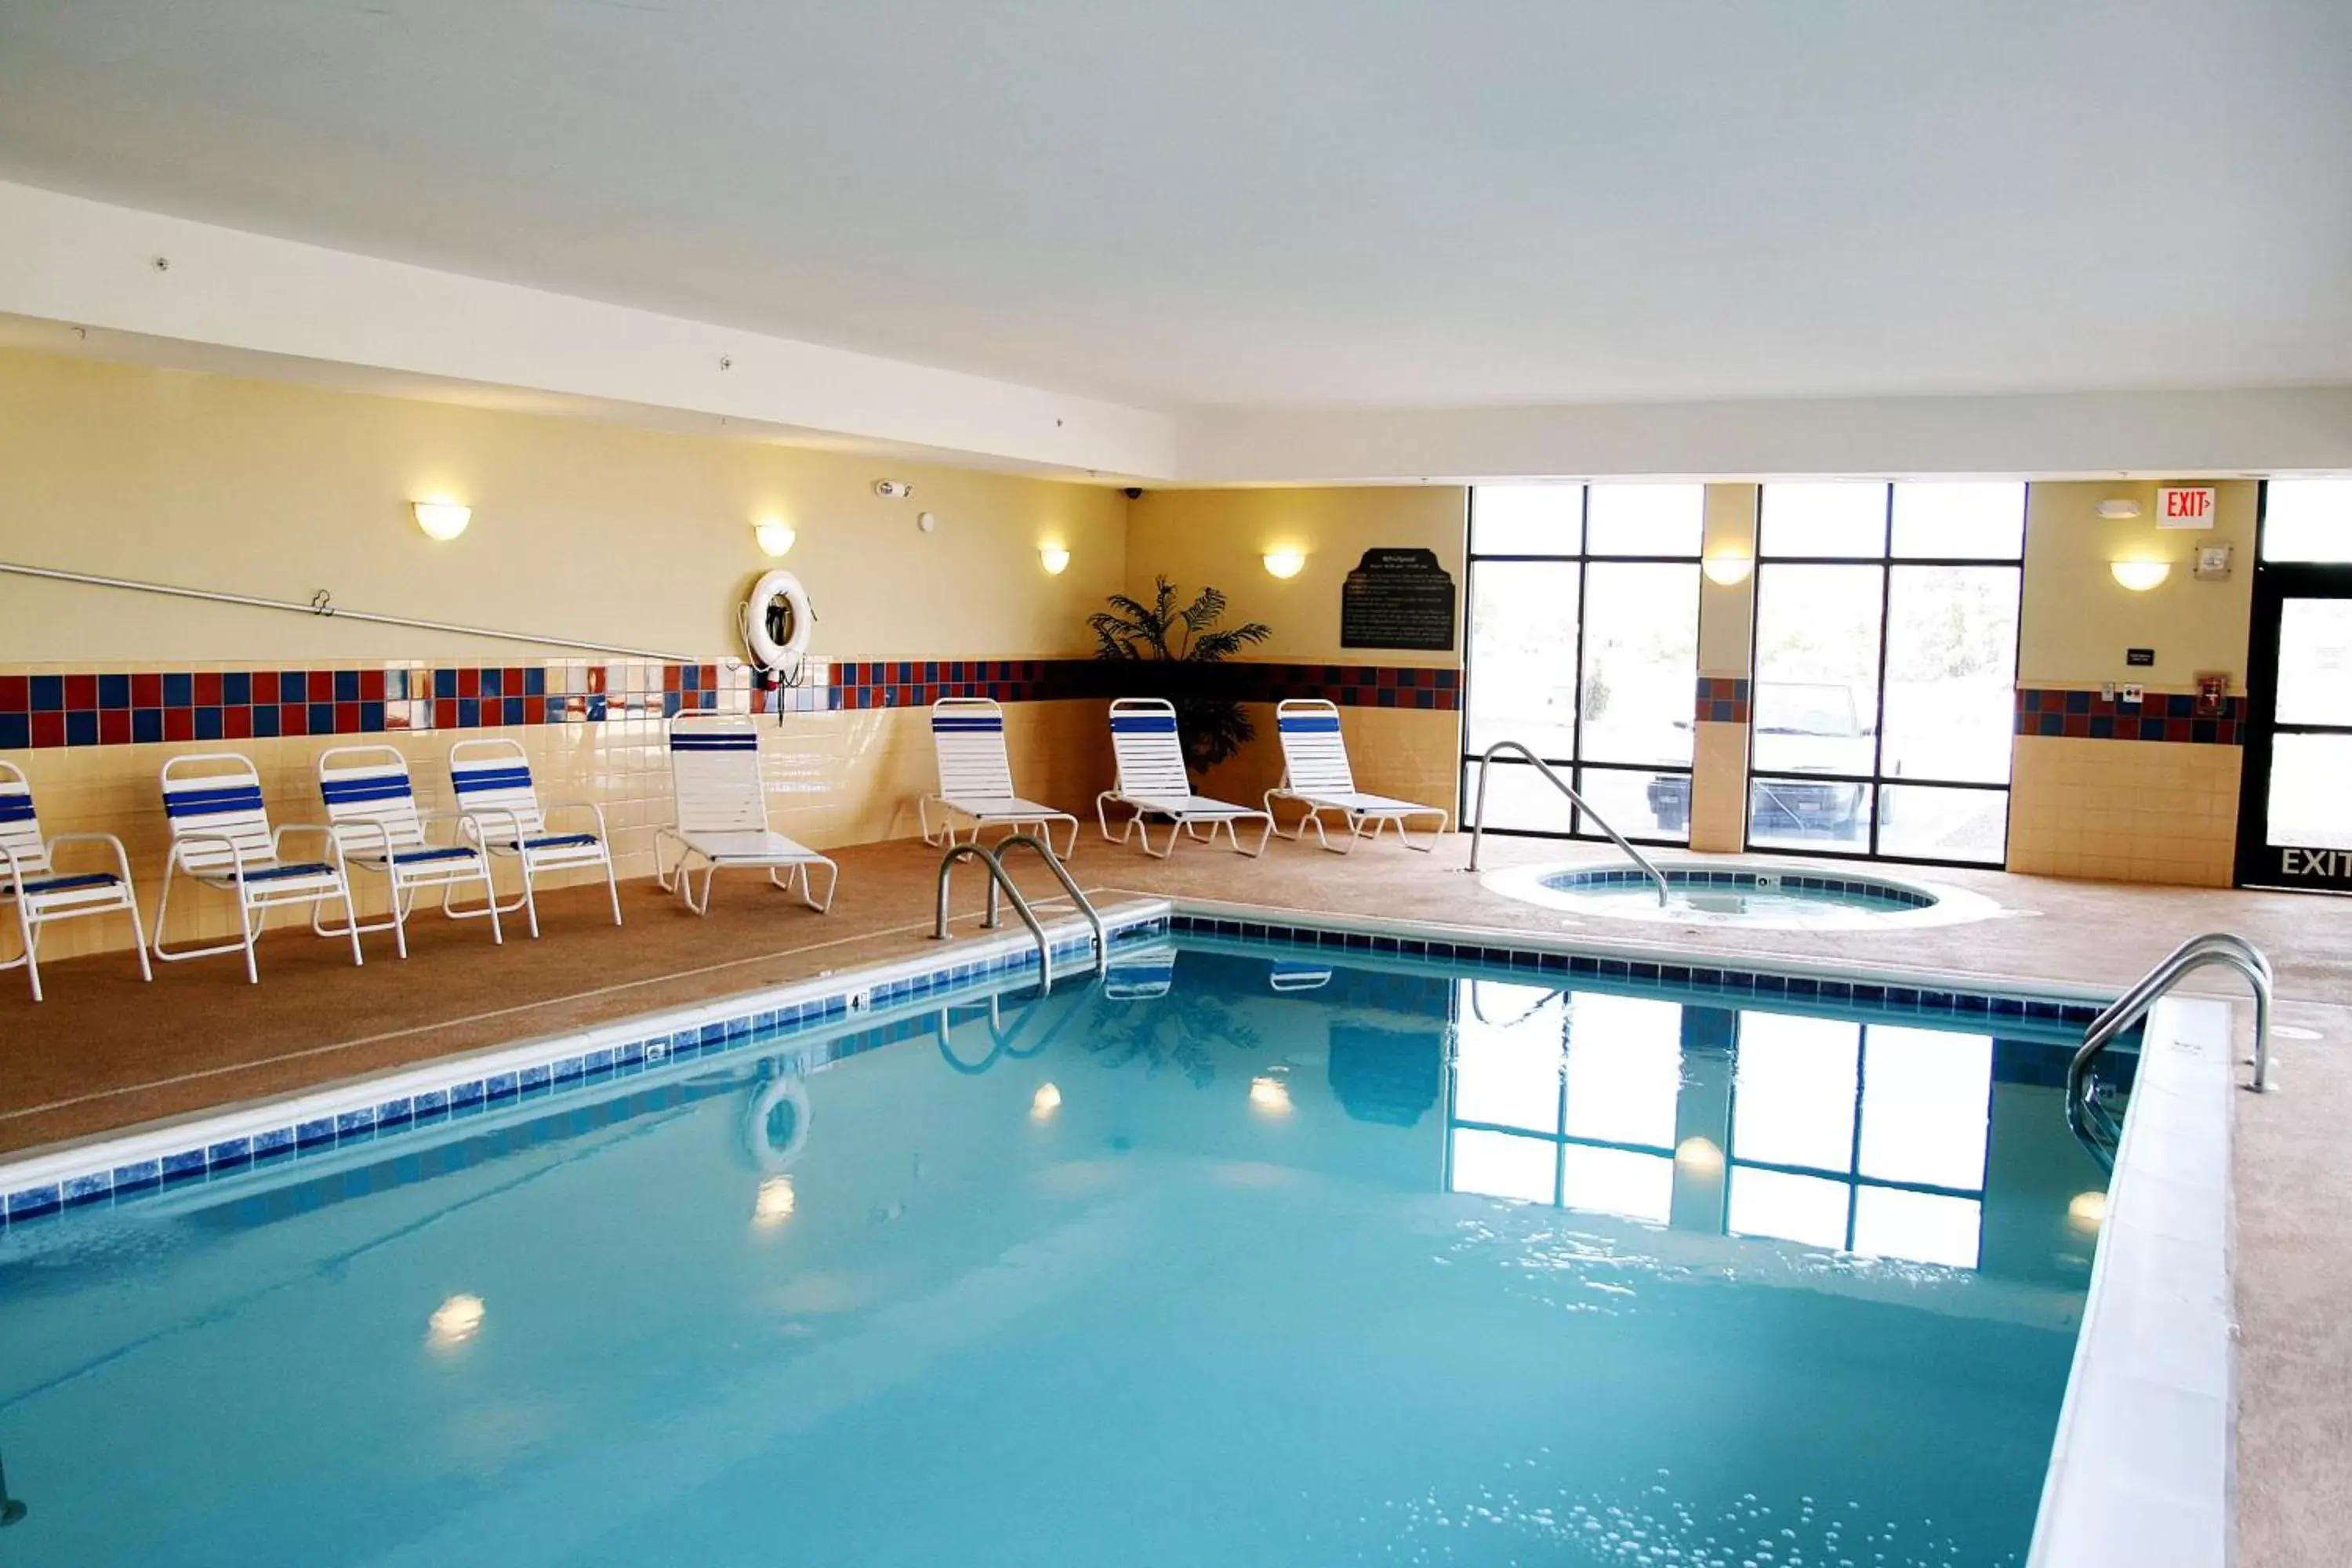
(1245, 1252)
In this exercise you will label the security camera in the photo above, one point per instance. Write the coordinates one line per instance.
(897, 489)
(1133, 492)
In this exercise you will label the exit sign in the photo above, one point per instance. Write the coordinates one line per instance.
(2185, 505)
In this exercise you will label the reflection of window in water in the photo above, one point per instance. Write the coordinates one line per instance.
(1895, 1170)
(1865, 1138)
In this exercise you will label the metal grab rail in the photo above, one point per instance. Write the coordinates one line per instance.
(1061, 875)
(1000, 886)
(1479, 824)
(2223, 948)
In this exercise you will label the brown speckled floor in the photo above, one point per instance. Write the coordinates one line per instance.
(106, 1051)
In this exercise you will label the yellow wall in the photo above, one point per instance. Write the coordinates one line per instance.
(1219, 537)
(2077, 620)
(618, 535)
(2139, 811)
(585, 529)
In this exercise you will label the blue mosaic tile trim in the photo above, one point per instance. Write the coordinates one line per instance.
(1874, 891)
(471, 1097)
(1959, 1002)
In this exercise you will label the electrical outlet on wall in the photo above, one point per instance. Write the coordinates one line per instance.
(2132, 696)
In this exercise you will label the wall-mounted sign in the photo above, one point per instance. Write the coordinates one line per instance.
(2144, 657)
(2185, 505)
(1398, 598)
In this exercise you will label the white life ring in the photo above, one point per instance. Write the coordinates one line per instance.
(775, 1125)
(769, 653)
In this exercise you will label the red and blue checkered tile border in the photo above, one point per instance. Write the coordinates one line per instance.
(68, 709)
(46, 711)
(2162, 716)
(914, 683)
(1722, 699)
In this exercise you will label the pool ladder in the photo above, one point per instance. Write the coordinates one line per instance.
(1000, 888)
(1479, 816)
(2084, 1112)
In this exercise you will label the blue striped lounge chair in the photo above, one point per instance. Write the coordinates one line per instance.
(374, 823)
(976, 777)
(221, 839)
(41, 891)
(1315, 772)
(723, 815)
(1152, 783)
(1139, 977)
(498, 811)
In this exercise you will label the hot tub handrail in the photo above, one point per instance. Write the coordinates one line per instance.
(1479, 816)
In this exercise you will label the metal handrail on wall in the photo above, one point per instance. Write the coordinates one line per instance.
(1479, 816)
(1001, 886)
(2223, 948)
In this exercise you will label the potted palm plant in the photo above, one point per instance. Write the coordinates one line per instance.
(1180, 643)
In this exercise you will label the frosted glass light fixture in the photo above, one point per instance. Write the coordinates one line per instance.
(1728, 568)
(775, 536)
(1055, 559)
(2139, 577)
(442, 520)
(1284, 562)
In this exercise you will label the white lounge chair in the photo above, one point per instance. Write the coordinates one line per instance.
(222, 838)
(500, 811)
(722, 813)
(1139, 977)
(42, 893)
(374, 823)
(1315, 772)
(1152, 782)
(976, 776)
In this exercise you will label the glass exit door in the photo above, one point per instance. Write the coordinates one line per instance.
(2296, 807)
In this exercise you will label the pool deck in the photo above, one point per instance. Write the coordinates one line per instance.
(106, 1052)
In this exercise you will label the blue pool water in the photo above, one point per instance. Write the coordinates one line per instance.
(1262, 1258)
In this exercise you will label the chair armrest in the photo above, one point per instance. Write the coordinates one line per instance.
(122, 856)
(334, 833)
(15, 869)
(472, 822)
(180, 844)
(590, 806)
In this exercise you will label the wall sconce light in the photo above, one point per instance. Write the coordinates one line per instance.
(1728, 568)
(1284, 562)
(2119, 509)
(2139, 577)
(774, 535)
(443, 520)
(1055, 559)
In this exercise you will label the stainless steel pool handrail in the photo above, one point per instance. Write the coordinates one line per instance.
(1478, 822)
(1000, 886)
(2223, 948)
(1062, 875)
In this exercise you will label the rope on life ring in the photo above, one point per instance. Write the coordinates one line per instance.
(783, 657)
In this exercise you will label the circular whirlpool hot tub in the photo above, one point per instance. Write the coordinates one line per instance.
(1745, 893)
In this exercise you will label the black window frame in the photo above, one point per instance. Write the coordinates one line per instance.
(1877, 779)
(2275, 583)
(1574, 766)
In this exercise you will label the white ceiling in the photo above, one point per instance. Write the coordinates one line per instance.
(1302, 203)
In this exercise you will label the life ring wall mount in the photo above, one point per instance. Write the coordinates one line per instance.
(777, 625)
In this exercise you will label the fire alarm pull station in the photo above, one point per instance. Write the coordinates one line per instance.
(2213, 694)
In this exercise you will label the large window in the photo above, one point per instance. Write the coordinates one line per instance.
(1885, 669)
(1584, 648)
